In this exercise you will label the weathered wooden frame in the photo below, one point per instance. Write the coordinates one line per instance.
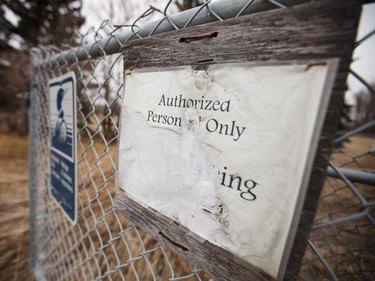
(309, 32)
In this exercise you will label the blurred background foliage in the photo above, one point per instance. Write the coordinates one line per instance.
(28, 23)
(23, 25)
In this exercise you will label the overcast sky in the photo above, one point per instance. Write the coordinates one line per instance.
(95, 11)
(364, 54)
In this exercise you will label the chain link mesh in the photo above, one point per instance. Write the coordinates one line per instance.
(106, 245)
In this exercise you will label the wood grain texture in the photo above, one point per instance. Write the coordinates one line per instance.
(204, 255)
(313, 31)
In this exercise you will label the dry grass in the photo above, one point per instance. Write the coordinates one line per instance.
(14, 240)
(348, 248)
(358, 148)
(139, 255)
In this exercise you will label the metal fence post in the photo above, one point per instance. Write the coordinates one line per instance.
(34, 154)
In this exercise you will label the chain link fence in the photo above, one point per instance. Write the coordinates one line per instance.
(104, 245)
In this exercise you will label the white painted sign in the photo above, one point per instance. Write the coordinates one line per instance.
(223, 151)
(63, 124)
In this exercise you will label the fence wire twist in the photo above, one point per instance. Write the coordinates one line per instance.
(106, 245)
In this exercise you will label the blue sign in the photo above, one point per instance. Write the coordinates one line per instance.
(62, 112)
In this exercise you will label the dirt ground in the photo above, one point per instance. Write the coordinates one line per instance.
(14, 212)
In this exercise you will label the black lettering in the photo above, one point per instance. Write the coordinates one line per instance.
(183, 101)
(169, 101)
(150, 113)
(233, 125)
(222, 127)
(203, 104)
(248, 194)
(216, 124)
(232, 179)
(170, 120)
(162, 100)
(235, 183)
(191, 103)
(175, 100)
(196, 103)
(177, 121)
(225, 106)
(223, 177)
(154, 118)
(216, 105)
(208, 105)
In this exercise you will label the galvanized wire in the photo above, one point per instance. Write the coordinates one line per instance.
(106, 245)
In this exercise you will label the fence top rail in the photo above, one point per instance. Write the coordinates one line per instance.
(208, 12)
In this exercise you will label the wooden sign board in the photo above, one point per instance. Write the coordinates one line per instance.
(225, 134)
